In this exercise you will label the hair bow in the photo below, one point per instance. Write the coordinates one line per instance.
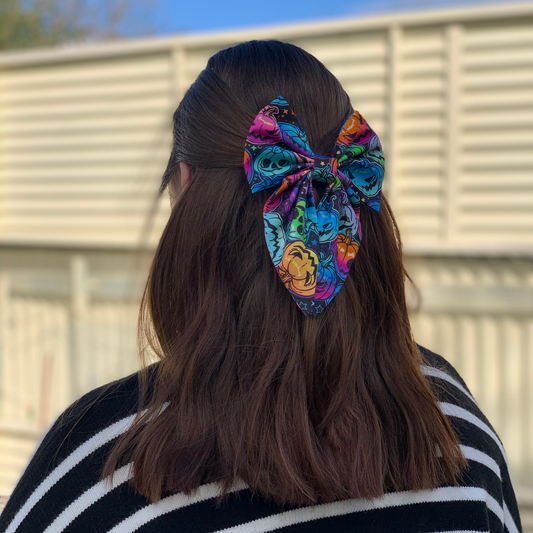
(312, 248)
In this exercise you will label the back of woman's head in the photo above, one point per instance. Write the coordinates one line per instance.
(302, 409)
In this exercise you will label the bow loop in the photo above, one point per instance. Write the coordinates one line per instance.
(312, 247)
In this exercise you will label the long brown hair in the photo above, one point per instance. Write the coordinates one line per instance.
(303, 410)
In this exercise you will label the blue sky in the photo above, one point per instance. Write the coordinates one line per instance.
(172, 16)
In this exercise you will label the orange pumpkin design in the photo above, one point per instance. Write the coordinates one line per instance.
(298, 269)
(347, 248)
(356, 126)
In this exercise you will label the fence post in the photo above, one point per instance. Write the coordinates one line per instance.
(394, 43)
(79, 308)
(452, 139)
(4, 331)
(177, 68)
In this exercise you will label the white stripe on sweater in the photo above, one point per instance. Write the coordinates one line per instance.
(451, 409)
(306, 514)
(454, 410)
(100, 439)
(124, 474)
(395, 499)
(106, 435)
(473, 454)
(169, 504)
(508, 520)
(486, 460)
(459, 412)
(98, 491)
(437, 373)
(81, 452)
(88, 498)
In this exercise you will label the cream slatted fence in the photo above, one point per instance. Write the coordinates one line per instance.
(63, 332)
(420, 116)
(494, 174)
(82, 142)
(85, 135)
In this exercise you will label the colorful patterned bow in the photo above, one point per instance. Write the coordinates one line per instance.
(312, 249)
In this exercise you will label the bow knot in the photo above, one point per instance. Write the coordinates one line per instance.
(324, 168)
(312, 248)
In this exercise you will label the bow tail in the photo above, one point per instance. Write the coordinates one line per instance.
(312, 249)
(349, 237)
(340, 235)
(291, 233)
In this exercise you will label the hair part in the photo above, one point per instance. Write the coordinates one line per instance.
(302, 409)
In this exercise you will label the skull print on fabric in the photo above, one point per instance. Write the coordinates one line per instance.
(312, 247)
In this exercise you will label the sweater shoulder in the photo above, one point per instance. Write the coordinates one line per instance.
(444, 378)
(104, 405)
(439, 363)
(457, 402)
(77, 442)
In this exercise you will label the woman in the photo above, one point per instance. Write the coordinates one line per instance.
(290, 393)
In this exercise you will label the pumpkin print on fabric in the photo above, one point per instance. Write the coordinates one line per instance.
(274, 160)
(312, 247)
(298, 269)
(346, 251)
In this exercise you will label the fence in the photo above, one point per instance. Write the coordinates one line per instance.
(63, 331)
(71, 329)
(85, 133)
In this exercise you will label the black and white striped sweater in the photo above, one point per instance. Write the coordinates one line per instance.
(60, 490)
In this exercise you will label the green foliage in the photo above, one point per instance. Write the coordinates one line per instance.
(37, 23)
(34, 23)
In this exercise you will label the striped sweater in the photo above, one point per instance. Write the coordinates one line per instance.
(60, 490)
